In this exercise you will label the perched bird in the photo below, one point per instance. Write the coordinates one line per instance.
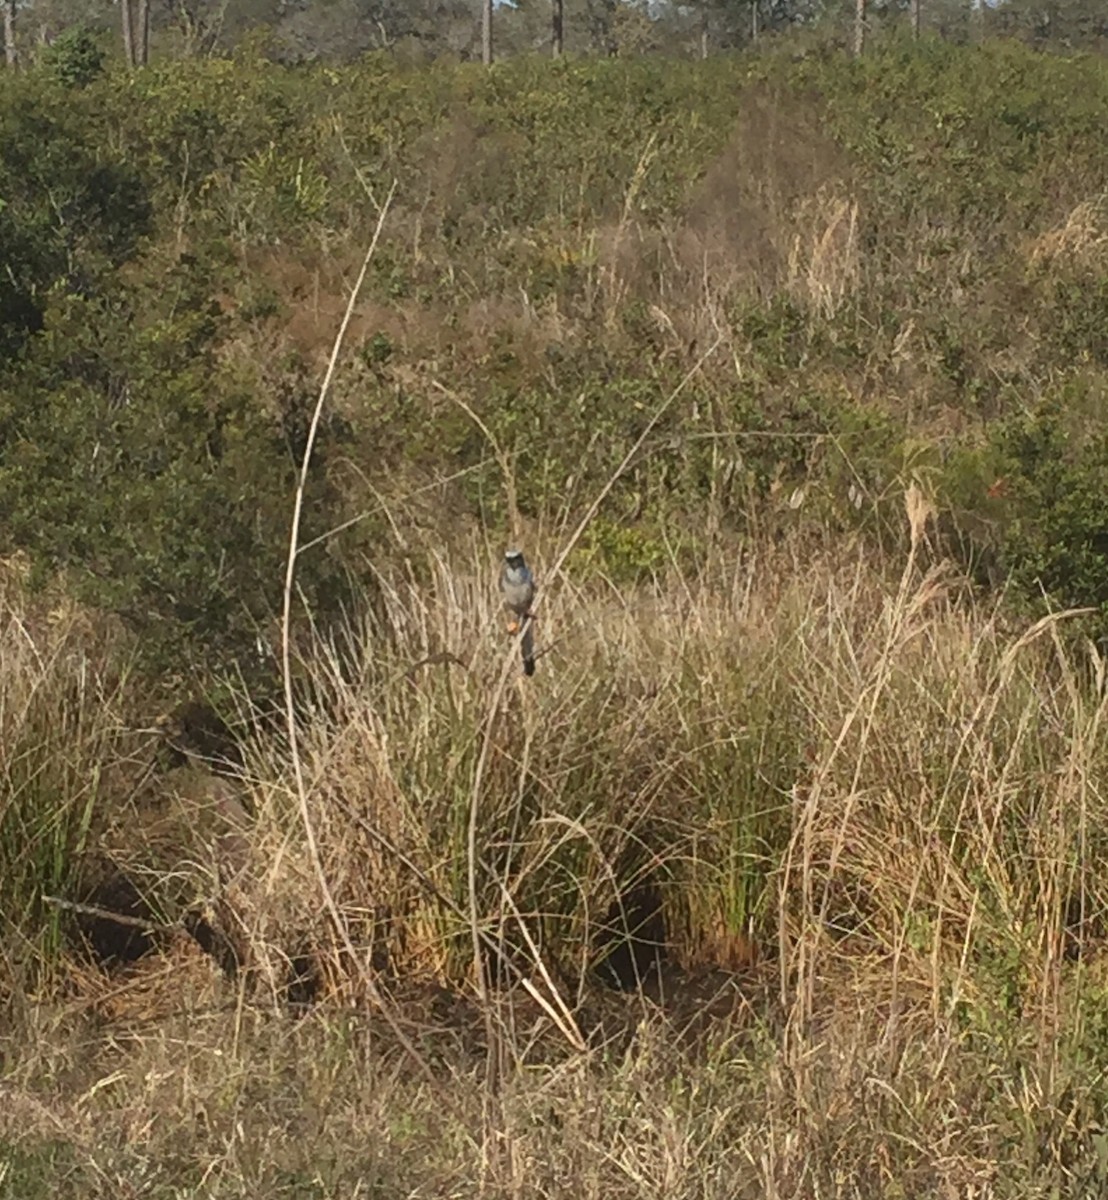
(517, 585)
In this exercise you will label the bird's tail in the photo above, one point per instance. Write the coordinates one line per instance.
(527, 647)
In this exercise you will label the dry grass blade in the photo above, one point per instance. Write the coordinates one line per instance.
(286, 663)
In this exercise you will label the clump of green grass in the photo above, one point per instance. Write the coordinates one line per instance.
(62, 690)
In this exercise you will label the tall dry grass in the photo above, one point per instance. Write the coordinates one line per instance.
(783, 747)
(64, 677)
(847, 777)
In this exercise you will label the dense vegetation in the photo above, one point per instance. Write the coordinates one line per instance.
(801, 706)
(897, 265)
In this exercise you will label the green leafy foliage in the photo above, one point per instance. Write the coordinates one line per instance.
(886, 253)
(139, 465)
(72, 209)
(1055, 538)
(74, 58)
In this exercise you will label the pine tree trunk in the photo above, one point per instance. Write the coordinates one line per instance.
(142, 49)
(10, 55)
(557, 18)
(915, 18)
(128, 32)
(703, 30)
(753, 20)
(859, 27)
(486, 32)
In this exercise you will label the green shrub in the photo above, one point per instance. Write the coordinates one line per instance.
(146, 470)
(1055, 531)
(72, 209)
(74, 58)
(676, 202)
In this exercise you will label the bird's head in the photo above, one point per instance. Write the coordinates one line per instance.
(514, 558)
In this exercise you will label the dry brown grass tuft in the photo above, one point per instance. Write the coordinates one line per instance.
(1081, 240)
(824, 260)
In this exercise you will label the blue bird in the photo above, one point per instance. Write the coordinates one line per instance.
(517, 584)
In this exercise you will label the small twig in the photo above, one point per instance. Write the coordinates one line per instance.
(443, 659)
(105, 914)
